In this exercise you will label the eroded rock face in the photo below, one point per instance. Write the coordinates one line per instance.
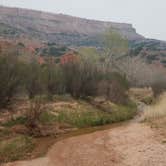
(58, 27)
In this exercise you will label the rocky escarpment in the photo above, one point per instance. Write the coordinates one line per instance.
(59, 28)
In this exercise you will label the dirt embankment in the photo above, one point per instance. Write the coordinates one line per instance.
(131, 144)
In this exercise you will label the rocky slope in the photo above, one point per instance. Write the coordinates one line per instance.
(57, 28)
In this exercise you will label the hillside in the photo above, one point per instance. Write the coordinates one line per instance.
(59, 28)
(153, 51)
(42, 27)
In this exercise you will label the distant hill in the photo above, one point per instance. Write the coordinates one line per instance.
(58, 28)
(42, 27)
(153, 51)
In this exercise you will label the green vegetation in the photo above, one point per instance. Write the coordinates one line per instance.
(54, 50)
(47, 118)
(5, 133)
(88, 115)
(82, 114)
(11, 74)
(80, 76)
(15, 148)
(95, 118)
(148, 100)
(17, 121)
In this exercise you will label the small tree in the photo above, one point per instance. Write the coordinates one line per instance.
(81, 77)
(10, 76)
(37, 107)
(115, 47)
(53, 80)
(113, 86)
(33, 79)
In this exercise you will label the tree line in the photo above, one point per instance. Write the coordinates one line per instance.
(91, 73)
(80, 78)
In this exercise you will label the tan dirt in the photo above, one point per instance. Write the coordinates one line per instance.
(134, 144)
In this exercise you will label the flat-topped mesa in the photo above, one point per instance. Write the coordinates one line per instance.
(48, 25)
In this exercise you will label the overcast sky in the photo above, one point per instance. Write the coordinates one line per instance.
(147, 16)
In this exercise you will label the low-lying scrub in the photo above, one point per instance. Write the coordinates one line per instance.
(96, 118)
(156, 111)
(17, 121)
(80, 114)
(15, 148)
(144, 95)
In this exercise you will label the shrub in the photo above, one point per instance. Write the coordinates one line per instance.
(17, 121)
(37, 107)
(96, 118)
(33, 79)
(53, 80)
(159, 86)
(15, 148)
(157, 110)
(80, 78)
(113, 87)
(10, 76)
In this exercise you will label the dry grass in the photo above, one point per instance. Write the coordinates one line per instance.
(141, 94)
(156, 111)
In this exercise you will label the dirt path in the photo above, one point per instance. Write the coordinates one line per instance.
(134, 144)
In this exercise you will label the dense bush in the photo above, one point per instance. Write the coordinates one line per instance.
(37, 107)
(33, 79)
(10, 78)
(80, 75)
(113, 86)
(159, 87)
(15, 148)
(80, 78)
(53, 78)
(97, 118)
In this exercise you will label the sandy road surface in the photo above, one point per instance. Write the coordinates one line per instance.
(134, 144)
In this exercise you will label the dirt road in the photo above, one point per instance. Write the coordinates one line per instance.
(133, 144)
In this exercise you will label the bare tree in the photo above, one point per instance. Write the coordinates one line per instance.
(10, 76)
(33, 80)
(140, 73)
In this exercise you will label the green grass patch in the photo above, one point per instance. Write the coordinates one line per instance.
(47, 118)
(15, 148)
(97, 118)
(19, 120)
(84, 115)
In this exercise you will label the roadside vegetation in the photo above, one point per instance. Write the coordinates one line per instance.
(157, 111)
(97, 118)
(155, 116)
